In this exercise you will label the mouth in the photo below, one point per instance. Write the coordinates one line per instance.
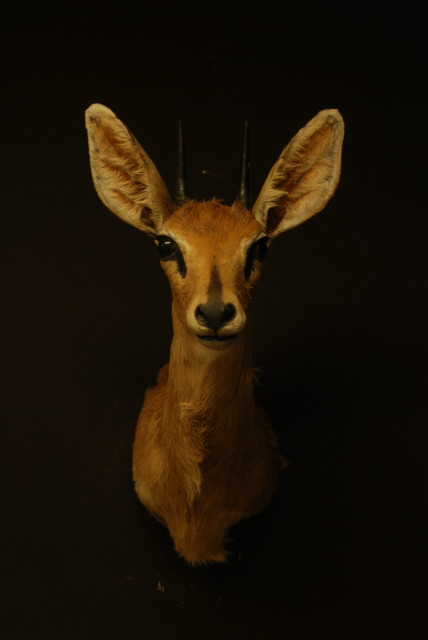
(216, 337)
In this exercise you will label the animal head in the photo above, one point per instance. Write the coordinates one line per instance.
(213, 253)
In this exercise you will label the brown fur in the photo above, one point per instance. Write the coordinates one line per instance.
(205, 455)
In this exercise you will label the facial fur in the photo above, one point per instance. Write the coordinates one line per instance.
(212, 263)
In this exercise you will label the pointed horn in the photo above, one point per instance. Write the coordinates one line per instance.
(180, 181)
(244, 187)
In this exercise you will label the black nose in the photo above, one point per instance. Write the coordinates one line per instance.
(214, 314)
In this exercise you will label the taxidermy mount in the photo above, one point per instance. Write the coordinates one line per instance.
(205, 455)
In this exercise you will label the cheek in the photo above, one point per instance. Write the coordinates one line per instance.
(245, 288)
(180, 289)
(181, 297)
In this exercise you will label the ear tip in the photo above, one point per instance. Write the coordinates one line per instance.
(332, 117)
(96, 111)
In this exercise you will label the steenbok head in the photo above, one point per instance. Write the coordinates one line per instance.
(211, 253)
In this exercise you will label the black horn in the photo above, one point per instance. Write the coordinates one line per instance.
(180, 180)
(244, 187)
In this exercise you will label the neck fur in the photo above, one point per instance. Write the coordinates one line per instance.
(212, 388)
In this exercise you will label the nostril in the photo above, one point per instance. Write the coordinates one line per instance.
(229, 313)
(214, 315)
(200, 316)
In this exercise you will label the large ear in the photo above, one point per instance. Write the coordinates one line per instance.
(125, 178)
(304, 177)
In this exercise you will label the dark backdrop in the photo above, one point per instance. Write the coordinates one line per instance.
(340, 332)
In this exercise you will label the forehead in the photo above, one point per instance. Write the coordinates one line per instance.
(213, 223)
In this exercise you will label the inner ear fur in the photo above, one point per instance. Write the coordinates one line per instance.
(304, 177)
(124, 176)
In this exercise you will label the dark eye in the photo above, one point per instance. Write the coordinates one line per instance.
(169, 250)
(257, 251)
(166, 247)
(260, 249)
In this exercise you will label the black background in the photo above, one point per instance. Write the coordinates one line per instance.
(340, 327)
